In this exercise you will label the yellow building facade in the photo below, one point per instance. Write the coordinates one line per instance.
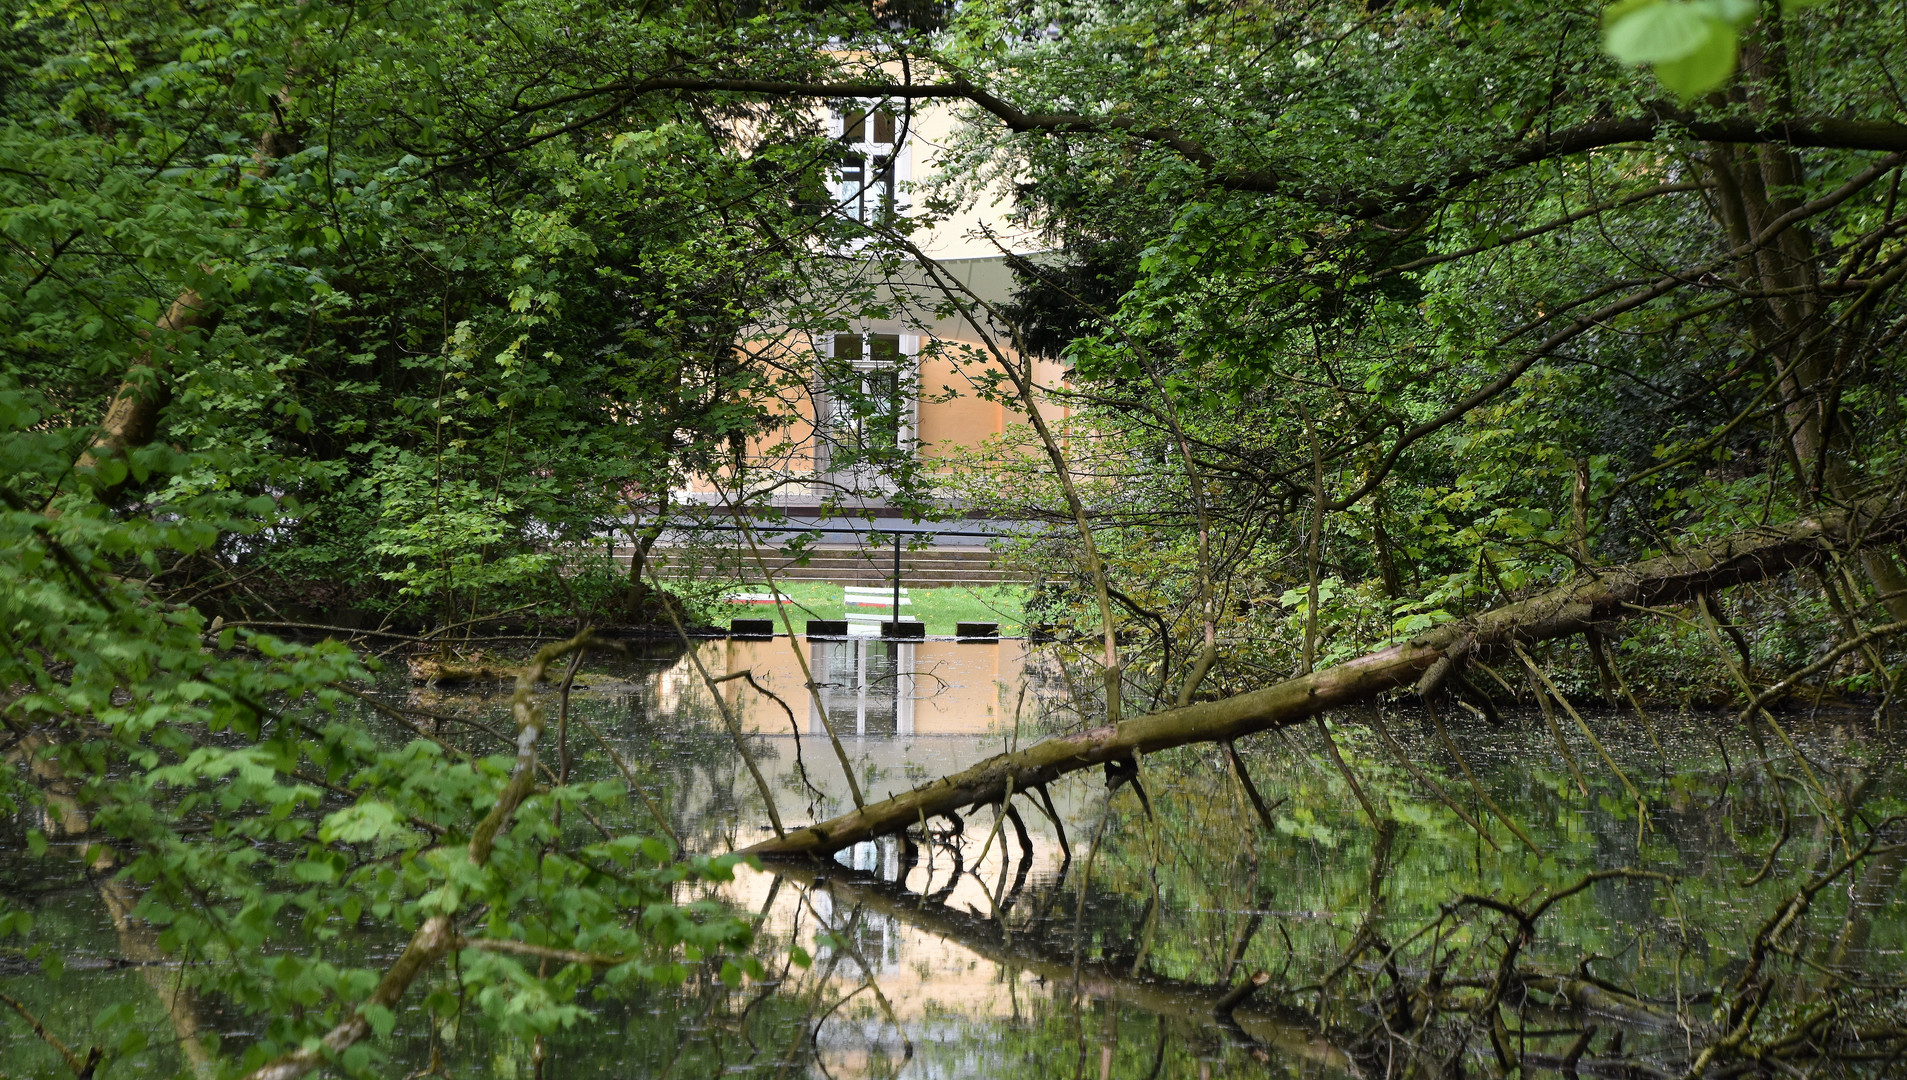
(922, 365)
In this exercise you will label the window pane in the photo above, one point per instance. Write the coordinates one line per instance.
(884, 348)
(880, 195)
(883, 126)
(884, 398)
(847, 346)
(854, 125)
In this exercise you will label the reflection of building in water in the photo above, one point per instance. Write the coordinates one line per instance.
(866, 686)
(871, 688)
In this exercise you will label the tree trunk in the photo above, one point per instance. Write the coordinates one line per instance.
(132, 417)
(1748, 556)
(1795, 325)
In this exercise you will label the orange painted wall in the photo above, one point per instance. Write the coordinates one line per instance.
(949, 411)
(964, 419)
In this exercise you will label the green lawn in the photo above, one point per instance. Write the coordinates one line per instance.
(940, 609)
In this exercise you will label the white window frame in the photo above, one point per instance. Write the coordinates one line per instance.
(907, 372)
(854, 203)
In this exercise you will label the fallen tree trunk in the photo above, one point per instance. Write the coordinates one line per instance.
(1425, 661)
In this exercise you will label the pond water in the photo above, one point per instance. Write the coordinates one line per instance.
(982, 955)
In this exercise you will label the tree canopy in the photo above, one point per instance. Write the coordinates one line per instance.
(1377, 315)
(1460, 283)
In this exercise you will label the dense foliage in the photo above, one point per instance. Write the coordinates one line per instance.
(327, 313)
(1376, 315)
(1421, 307)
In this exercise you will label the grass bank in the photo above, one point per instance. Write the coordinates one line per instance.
(940, 609)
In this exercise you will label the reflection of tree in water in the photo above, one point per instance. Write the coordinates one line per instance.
(1381, 949)
(1188, 902)
(699, 1029)
(675, 744)
(1061, 686)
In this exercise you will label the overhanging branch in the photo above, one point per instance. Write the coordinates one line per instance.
(1658, 120)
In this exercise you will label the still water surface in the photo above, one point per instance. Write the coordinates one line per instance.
(979, 956)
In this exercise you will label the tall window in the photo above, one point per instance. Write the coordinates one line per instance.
(868, 410)
(867, 164)
(864, 401)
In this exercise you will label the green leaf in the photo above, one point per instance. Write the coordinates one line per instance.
(1655, 32)
(381, 1019)
(312, 871)
(1691, 44)
(110, 471)
(1732, 12)
(115, 1015)
(15, 413)
(36, 842)
(357, 823)
(1705, 69)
